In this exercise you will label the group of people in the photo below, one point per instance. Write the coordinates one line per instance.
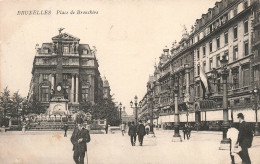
(135, 130)
(186, 131)
(238, 138)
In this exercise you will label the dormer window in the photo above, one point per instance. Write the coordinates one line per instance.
(85, 52)
(45, 50)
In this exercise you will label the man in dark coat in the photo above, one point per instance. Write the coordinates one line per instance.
(65, 130)
(132, 133)
(245, 138)
(141, 132)
(185, 131)
(106, 128)
(79, 139)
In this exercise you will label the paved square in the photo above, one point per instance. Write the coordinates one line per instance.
(53, 148)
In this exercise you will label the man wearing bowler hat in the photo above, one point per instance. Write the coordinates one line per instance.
(245, 138)
(79, 139)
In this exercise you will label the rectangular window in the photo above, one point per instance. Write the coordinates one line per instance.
(45, 77)
(210, 46)
(246, 27)
(198, 54)
(235, 32)
(246, 77)
(235, 53)
(226, 54)
(226, 37)
(235, 11)
(245, 4)
(218, 61)
(218, 42)
(204, 51)
(236, 102)
(65, 77)
(198, 37)
(198, 91)
(247, 100)
(210, 64)
(84, 94)
(198, 69)
(204, 66)
(246, 49)
(235, 78)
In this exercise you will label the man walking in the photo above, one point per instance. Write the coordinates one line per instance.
(245, 138)
(132, 133)
(79, 139)
(185, 131)
(122, 127)
(141, 132)
(65, 130)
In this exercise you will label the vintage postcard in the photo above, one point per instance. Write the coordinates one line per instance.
(129, 82)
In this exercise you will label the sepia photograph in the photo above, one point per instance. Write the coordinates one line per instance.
(129, 82)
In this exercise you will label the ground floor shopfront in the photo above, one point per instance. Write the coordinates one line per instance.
(209, 119)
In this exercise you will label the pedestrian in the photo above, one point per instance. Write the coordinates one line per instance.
(132, 133)
(185, 131)
(106, 128)
(232, 134)
(141, 132)
(79, 139)
(188, 131)
(122, 127)
(65, 130)
(147, 129)
(245, 138)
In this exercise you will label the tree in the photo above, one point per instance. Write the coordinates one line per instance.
(17, 100)
(5, 102)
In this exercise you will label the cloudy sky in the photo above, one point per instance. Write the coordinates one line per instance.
(128, 35)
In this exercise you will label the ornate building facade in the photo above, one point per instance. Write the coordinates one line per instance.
(76, 70)
(230, 29)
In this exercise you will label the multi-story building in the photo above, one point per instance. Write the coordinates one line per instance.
(77, 73)
(230, 29)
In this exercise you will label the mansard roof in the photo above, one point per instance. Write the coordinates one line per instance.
(66, 36)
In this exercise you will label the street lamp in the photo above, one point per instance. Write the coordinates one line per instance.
(224, 144)
(150, 92)
(136, 107)
(120, 113)
(176, 136)
(255, 92)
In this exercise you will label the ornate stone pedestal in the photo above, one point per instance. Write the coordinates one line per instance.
(58, 106)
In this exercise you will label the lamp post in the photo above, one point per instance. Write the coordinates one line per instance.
(224, 144)
(187, 114)
(176, 136)
(150, 91)
(120, 112)
(136, 107)
(255, 92)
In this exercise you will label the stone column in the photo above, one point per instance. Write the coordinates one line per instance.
(187, 74)
(77, 88)
(72, 89)
(176, 136)
(52, 81)
(224, 145)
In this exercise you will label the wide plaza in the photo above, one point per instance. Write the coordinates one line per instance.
(50, 147)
